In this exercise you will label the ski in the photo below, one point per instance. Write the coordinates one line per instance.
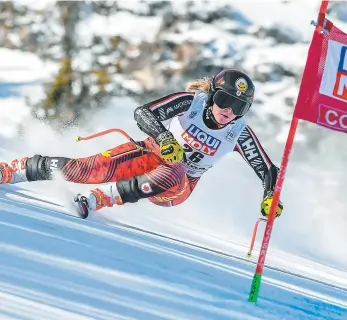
(78, 209)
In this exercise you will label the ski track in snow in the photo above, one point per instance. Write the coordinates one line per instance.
(58, 267)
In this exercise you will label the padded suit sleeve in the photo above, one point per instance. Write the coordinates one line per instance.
(149, 116)
(253, 153)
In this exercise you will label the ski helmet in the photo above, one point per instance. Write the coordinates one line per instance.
(232, 89)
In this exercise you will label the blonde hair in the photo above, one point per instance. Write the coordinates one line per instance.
(202, 84)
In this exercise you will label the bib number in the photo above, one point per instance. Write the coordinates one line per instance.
(194, 156)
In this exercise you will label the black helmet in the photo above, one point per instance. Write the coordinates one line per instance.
(232, 89)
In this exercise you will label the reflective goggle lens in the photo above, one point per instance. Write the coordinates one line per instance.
(226, 100)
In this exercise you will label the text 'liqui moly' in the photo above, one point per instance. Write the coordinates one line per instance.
(200, 140)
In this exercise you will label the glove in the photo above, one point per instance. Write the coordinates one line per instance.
(266, 205)
(170, 149)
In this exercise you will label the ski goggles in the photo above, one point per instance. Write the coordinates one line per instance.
(226, 100)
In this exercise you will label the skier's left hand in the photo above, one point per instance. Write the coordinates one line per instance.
(266, 205)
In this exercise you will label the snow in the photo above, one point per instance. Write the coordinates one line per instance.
(17, 66)
(13, 113)
(289, 57)
(123, 24)
(54, 266)
(200, 33)
(134, 6)
(35, 5)
(21, 76)
(294, 14)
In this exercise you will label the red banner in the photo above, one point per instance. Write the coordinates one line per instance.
(322, 97)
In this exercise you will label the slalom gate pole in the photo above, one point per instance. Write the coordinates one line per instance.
(122, 132)
(254, 235)
(255, 286)
(321, 17)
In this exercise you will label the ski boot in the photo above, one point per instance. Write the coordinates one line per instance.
(97, 199)
(14, 172)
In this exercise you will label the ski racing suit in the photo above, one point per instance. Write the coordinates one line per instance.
(142, 174)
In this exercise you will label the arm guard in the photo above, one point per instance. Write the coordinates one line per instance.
(150, 115)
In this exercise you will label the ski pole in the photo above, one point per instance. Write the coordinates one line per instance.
(255, 229)
(101, 133)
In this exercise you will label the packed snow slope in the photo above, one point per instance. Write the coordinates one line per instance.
(58, 267)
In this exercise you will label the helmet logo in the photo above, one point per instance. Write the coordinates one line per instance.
(220, 81)
(241, 85)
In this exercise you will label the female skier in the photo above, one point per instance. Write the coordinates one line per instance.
(206, 122)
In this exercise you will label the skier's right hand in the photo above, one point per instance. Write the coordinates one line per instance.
(170, 149)
(266, 205)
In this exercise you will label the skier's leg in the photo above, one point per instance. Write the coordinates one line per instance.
(112, 165)
(30, 169)
(14, 172)
(164, 177)
(177, 194)
(167, 185)
(122, 162)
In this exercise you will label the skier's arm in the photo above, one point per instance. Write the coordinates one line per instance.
(253, 153)
(149, 116)
(251, 150)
